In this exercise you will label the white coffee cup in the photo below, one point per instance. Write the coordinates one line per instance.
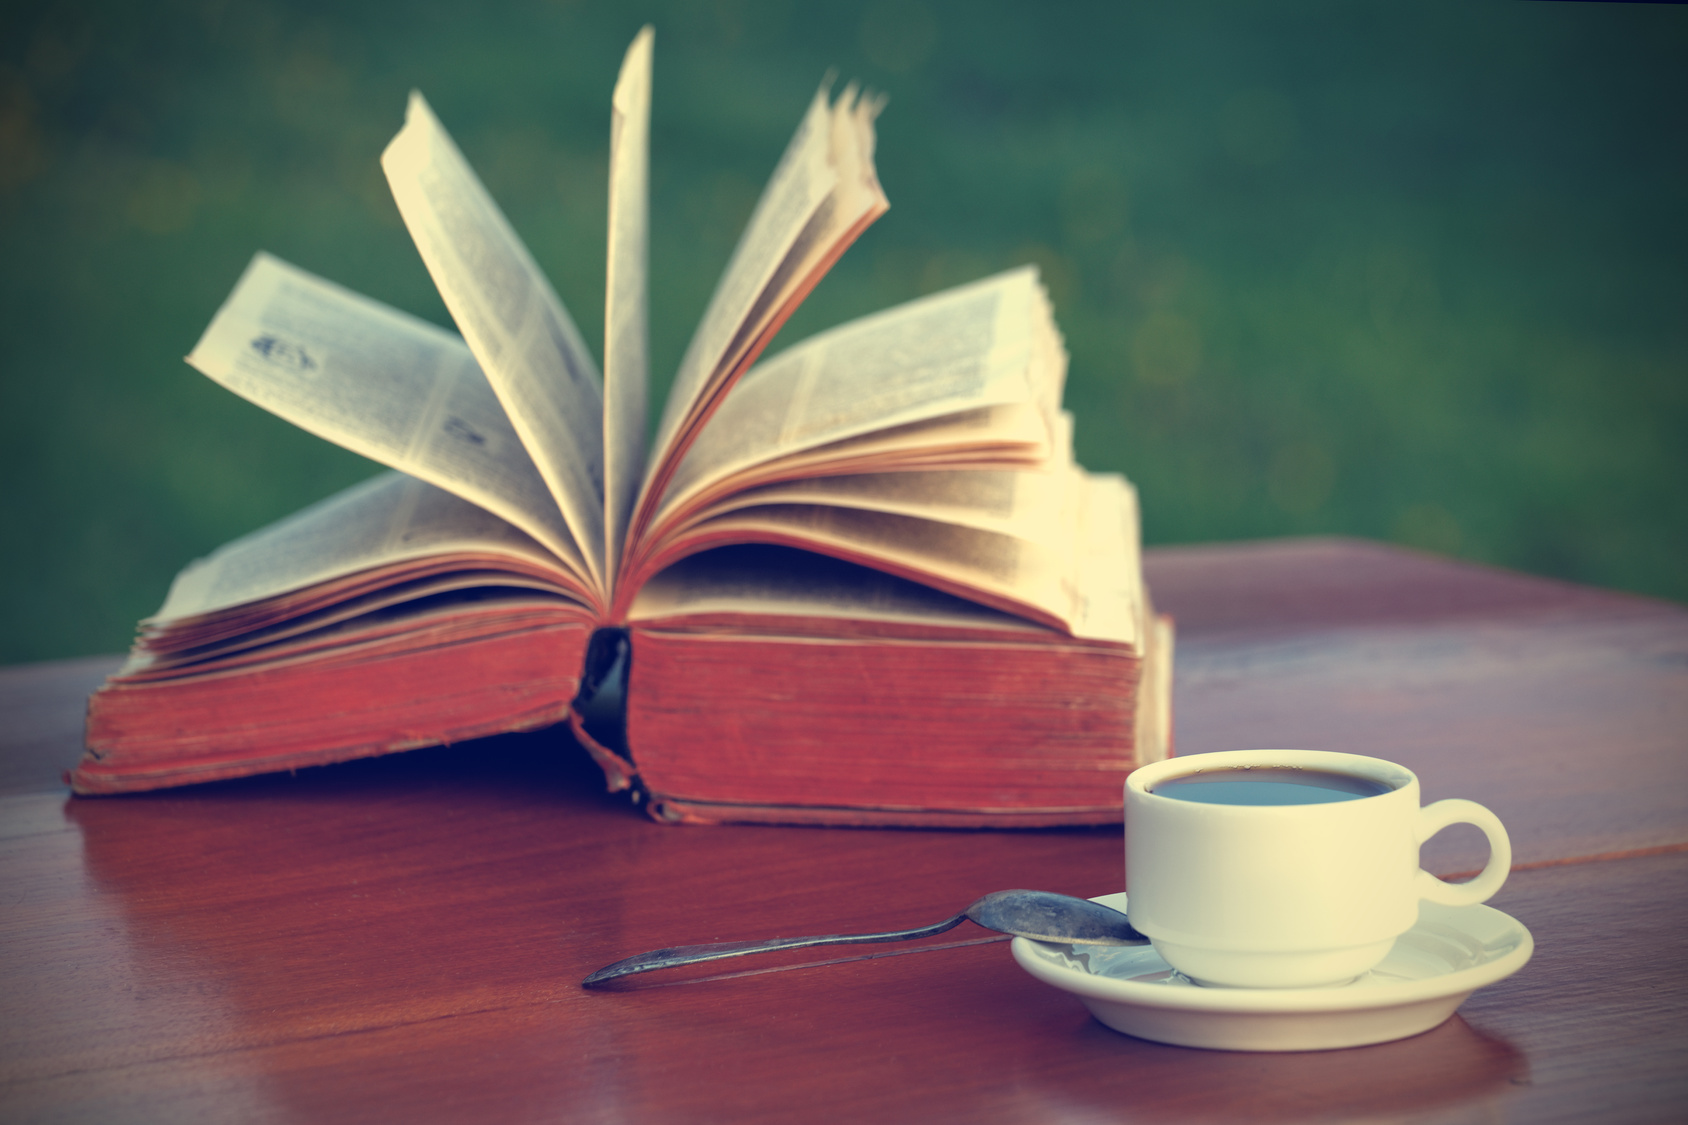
(1291, 895)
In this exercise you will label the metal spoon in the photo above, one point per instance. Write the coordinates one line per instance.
(1041, 915)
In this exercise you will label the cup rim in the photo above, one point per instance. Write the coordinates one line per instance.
(1398, 777)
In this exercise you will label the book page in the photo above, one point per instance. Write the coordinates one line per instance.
(626, 296)
(1112, 602)
(994, 437)
(884, 385)
(463, 588)
(1034, 580)
(801, 182)
(761, 581)
(1067, 557)
(381, 383)
(386, 520)
(1026, 504)
(512, 320)
(822, 195)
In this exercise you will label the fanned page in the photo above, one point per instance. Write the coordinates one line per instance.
(512, 320)
(834, 446)
(911, 382)
(381, 383)
(1006, 502)
(1059, 548)
(1112, 603)
(626, 296)
(390, 610)
(376, 536)
(780, 589)
(991, 437)
(822, 195)
(1031, 577)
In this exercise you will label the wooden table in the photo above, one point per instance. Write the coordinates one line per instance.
(402, 939)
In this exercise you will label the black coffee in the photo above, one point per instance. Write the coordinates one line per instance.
(1268, 785)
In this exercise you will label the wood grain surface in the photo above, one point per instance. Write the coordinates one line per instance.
(402, 938)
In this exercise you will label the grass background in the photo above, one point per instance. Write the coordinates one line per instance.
(1414, 272)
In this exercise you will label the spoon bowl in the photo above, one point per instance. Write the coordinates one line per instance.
(1039, 915)
(1046, 916)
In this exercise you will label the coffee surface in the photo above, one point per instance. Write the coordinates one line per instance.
(1269, 785)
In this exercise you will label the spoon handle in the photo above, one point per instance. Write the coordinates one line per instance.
(692, 954)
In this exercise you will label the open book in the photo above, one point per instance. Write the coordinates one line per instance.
(860, 582)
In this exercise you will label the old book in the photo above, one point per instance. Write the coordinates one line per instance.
(860, 582)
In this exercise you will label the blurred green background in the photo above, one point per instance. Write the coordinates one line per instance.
(1414, 272)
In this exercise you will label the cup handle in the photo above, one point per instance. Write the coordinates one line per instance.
(1432, 819)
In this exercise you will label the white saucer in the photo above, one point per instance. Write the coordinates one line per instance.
(1450, 953)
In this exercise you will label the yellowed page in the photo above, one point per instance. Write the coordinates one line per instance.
(382, 522)
(822, 194)
(626, 297)
(1108, 554)
(381, 383)
(994, 437)
(761, 581)
(1066, 554)
(801, 183)
(1036, 580)
(403, 596)
(512, 320)
(863, 389)
(1026, 504)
